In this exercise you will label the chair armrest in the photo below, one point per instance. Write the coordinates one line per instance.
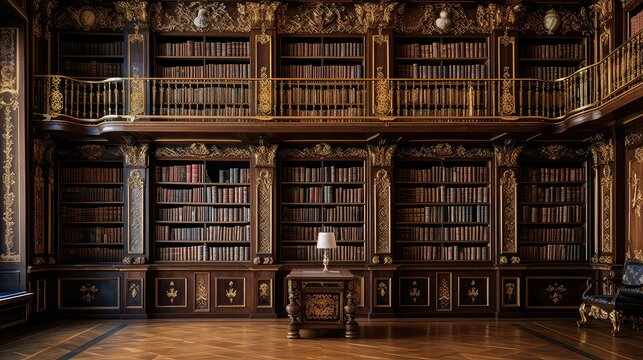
(591, 282)
(632, 287)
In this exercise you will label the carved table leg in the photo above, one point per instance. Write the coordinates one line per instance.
(583, 315)
(352, 327)
(617, 319)
(293, 308)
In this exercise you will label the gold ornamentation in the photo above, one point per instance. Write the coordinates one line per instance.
(371, 15)
(55, 97)
(89, 18)
(503, 259)
(606, 191)
(507, 100)
(570, 21)
(638, 154)
(88, 292)
(134, 290)
(139, 260)
(508, 212)
(556, 292)
(256, 260)
(424, 22)
(381, 154)
(382, 289)
(414, 292)
(515, 260)
(201, 293)
(41, 18)
(443, 151)
(507, 155)
(322, 306)
(134, 12)
(444, 294)
(265, 153)
(634, 139)
(473, 291)
(90, 151)
(136, 213)
(134, 155)
(636, 195)
(219, 18)
(263, 38)
(317, 18)
(388, 260)
(39, 211)
(555, 152)
(382, 193)
(375, 259)
(604, 14)
(602, 151)
(201, 151)
(128, 260)
(383, 103)
(136, 95)
(231, 292)
(261, 14)
(638, 255)
(9, 102)
(493, 17)
(264, 212)
(506, 40)
(172, 292)
(510, 290)
(265, 95)
(38, 260)
(324, 150)
(605, 259)
(264, 291)
(268, 260)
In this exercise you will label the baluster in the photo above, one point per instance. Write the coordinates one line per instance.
(64, 91)
(529, 98)
(492, 85)
(520, 98)
(282, 98)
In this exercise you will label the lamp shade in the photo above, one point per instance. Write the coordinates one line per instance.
(326, 240)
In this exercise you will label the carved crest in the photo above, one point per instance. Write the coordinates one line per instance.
(89, 18)
(318, 17)
(213, 17)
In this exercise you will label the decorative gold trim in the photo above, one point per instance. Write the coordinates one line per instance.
(443, 296)
(55, 97)
(371, 15)
(443, 151)
(89, 18)
(264, 211)
(554, 152)
(39, 211)
(424, 21)
(507, 155)
(201, 151)
(634, 139)
(136, 95)
(118, 294)
(264, 154)
(318, 18)
(553, 281)
(515, 290)
(473, 290)
(324, 150)
(90, 151)
(140, 289)
(383, 100)
(265, 93)
(507, 100)
(382, 153)
(134, 11)
(382, 208)
(201, 292)
(508, 216)
(135, 155)
(571, 21)
(265, 292)
(415, 293)
(604, 13)
(383, 287)
(260, 14)
(136, 213)
(229, 294)
(636, 196)
(173, 293)
(602, 151)
(217, 17)
(606, 207)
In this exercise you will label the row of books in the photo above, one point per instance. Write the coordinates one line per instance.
(334, 213)
(442, 194)
(442, 110)
(345, 233)
(323, 194)
(195, 173)
(204, 213)
(553, 51)
(99, 234)
(445, 174)
(437, 50)
(213, 194)
(91, 68)
(297, 95)
(446, 234)
(203, 253)
(199, 48)
(557, 214)
(357, 110)
(223, 111)
(235, 233)
(567, 234)
(90, 194)
(554, 174)
(84, 214)
(552, 194)
(417, 71)
(112, 48)
(415, 95)
(91, 175)
(547, 72)
(323, 174)
(556, 252)
(477, 213)
(311, 253)
(90, 254)
(213, 93)
(432, 253)
(326, 71)
(207, 71)
(338, 49)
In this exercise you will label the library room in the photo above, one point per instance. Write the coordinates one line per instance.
(287, 179)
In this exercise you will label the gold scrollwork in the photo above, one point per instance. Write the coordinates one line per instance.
(322, 306)
(200, 150)
(444, 294)
(636, 195)
(133, 11)
(136, 95)
(201, 293)
(383, 103)
(264, 154)
(89, 18)
(443, 151)
(603, 10)
(90, 151)
(318, 18)
(134, 290)
(555, 152)
(503, 260)
(260, 14)
(55, 97)
(136, 213)
(375, 259)
(371, 15)
(264, 219)
(507, 155)
(381, 154)
(172, 292)
(134, 155)
(231, 292)
(424, 21)
(216, 18)
(264, 291)
(88, 292)
(556, 292)
(324, 150)
(382, 194)
(508, 219)
(606, 190)
(265, 95)
(507, 100)
(570, 21)
(473, 291)
(602, 151)
(510, 290)
(382, 289)
(414, 292)
(634, 139)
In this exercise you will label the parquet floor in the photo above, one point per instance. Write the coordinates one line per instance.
(266, 339)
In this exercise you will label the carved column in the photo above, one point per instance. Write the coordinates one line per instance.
(634, 196)
(507, 200)
(136, 175)
(43, 193)
(381, 159)
(602, 151)
(264, 208)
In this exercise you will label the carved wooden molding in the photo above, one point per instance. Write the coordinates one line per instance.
(324, 150)
(443, 151)
(318, 18)
(136, 213)
(554, 152)
(508, 215)
(200, 16)
(381, 154)
(264, 211)
(201, 151)
(89, 18)
(382, 201)
(134, 155)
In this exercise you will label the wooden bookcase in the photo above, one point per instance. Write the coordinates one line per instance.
(303, 58)
(90, 55)
(443, 210)
(552, 211)
(634, 20)
(322, 195)
(551, 58)
(202, 211)
(90, 211)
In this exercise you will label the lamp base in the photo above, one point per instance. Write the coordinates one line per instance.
(325, 262)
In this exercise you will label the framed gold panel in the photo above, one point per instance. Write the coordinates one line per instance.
(134, 293)
(414, 291)
(510, 288)
(382, 293)
(472, 291)
(264, 293)
(552, 292)
(171, 292)
(444, 300)
(202, 292)
(228, 293)
(90, 293)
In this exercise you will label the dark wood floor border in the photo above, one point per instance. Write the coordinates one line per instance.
(92, 342)
(556, 342)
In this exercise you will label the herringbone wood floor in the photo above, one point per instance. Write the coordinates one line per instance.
(266, 339)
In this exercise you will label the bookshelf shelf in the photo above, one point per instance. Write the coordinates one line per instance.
(91, 55)
(551, 58)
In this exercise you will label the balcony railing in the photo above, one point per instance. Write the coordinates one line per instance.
(340, 100)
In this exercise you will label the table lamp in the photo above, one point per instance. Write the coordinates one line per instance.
(325, 241)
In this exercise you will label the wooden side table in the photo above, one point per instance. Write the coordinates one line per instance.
(321, 300)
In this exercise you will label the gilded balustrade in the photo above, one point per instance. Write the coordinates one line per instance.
(340, 100)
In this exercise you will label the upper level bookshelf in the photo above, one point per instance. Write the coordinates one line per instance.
(443, 210)
(552, 211)
(90, 211)
(441, 57)
(551, 58)
(322, 195)
(635, 20)
(90, 55)
(202, 211)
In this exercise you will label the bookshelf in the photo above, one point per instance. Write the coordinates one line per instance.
(552, 212)
(551, 58)
(90, 212)
(442, 210)
(318, 57)
(202, 211)
(90, 55)
(202, 56)
(635, 20)
(322, 195)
